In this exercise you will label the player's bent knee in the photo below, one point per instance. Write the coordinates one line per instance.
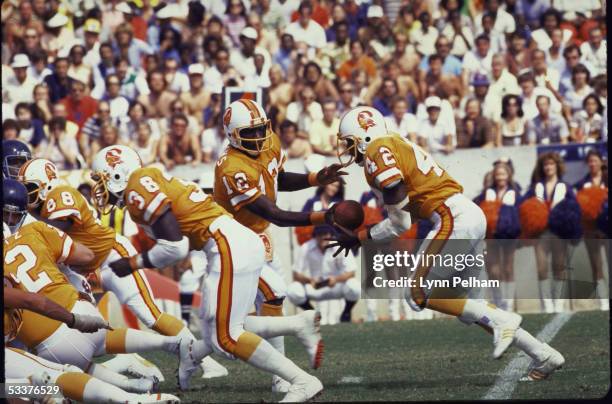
(296, 293)
(351, 290)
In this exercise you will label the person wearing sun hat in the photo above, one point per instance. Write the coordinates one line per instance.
(19, 86)
(57, 34)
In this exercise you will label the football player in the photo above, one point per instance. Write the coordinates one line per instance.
(14, 154)
(412, 185)
(31, 258)
(180, 217)
(30, 369)
(247, 178)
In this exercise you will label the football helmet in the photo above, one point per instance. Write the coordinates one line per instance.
(14, 204)
(14, 155)
(247, 127)
(358, 127)
(111, 170)
(39, 177)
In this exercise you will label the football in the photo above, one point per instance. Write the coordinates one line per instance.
(349, 214)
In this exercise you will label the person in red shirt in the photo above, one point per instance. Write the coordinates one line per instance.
(79, 106)
(139, 25)
(320, 14)
(358, 61)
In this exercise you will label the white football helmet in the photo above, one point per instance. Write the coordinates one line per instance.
(358, 127)
(246, 125)
(111, 170)
(39, 177)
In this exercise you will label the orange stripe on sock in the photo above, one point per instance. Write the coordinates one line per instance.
(168, 325)
(116, 340)
(73, 384)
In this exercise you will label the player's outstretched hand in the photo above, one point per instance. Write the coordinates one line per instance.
(331, 174)
(87, 323)
(121, 267)
(344, 239)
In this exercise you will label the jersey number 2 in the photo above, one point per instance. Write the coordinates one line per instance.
(31, 282)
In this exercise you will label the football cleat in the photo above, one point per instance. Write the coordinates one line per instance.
(310, 337)
(540, 370)
(156, 398)
(212, 368)
(143, 385)
(303, 390)
(280, 385)
(187, 363)
(503, 334)
(140, 367)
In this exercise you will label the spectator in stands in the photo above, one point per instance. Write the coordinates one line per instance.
(91, 34)
(31, 42)
(401, 121)
(425, 36)
(512, 128)
(59, 82)
(222, 73)
(322, 136)
(119, 105)
(358, 61)
(305, 111)
(38, 69)
(587, 124)
(434, 134)
(294, 146)
(572, 56)
(305, 29)
(126, 44)
(404, 56)
(280, 92)
(337, 51)
(60, 147)
(178, 107)
(91, 130)
(136, 114)
(104, 67)
(323, 88)
(450, 64)
(595, 50)
(529, 94)
(30, 129)
(59, 111)
(529, 12)
(546, 127)
(178, 146)
(158, 101)
(79, 70)
(474, 130)
(478, 60)
(197, 97)
(243, 58)
(386, 94)
(544, 75)
(10, 129)
(284, 55)
(42, 102)
(214, 142)
(554, 53)
(235, 20)
(549, 21)
(109, 135)
(348, 99)
(518, 56)
(459, 34)
(319, 276)
(146, 145)
(79, 106)
(503, 22)
(20, 86)
(580, 88)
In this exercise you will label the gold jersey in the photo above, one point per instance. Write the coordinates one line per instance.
(63, 203)
(391, 159)
(31, 256)
(150, 193)
(13, 318)
(240, 179)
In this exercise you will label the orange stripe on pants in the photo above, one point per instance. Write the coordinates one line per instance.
(435, 246)
(224, 294)
(146, 295)
(266, 290)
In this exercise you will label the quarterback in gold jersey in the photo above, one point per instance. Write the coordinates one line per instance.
(181, 217)
(248, 177)
(66, 208)
(412, 186)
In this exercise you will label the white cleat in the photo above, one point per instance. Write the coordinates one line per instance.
(540, 370)
(156, 398)
(212, 368)
(310, 337)
(143, 385)
(280, 385)
(140, 367)
(503, 334)
(187, 363)
(303, 390)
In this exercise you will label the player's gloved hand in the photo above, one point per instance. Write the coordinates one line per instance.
(344, 239)
(122, 267)
(330, 174)
(87, 323)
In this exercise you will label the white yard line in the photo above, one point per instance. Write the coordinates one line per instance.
(506, 382)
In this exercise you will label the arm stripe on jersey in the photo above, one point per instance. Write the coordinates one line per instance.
(386, 175)
(243, 197)
(391, 182)
(65, 213)
(66, 248)
(154, 205)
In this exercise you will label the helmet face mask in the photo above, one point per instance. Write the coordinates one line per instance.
(358, 128)
(15, 204)
(13, 216)
(254, 139)
(14, 155)
(248, 128)
(348, 150)
(39, 176)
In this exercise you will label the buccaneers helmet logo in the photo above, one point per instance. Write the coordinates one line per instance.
(227, 116)
(113, 157)
(365, 121)
(50, 172)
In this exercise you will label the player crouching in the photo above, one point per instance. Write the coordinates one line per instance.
(412, 185)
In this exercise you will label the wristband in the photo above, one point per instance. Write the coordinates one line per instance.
(73, 321)
(317, 218)
(312, 179)
(364, 235)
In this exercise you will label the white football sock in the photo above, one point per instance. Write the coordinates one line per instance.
(477, 311)
(97, 391)
(141, 341)
(105, 374)
(529, 344)
(510, 294)
(559, 288)
(498, 294)
(266, 358)
(544, 286)
(602, 289)
(273, 326)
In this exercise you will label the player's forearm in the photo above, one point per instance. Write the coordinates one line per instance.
(267, 209)
(293, 181)
(17, 299)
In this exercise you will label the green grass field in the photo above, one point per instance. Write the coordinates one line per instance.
(419, 360)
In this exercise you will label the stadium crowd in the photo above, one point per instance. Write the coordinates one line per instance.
(78, 76)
